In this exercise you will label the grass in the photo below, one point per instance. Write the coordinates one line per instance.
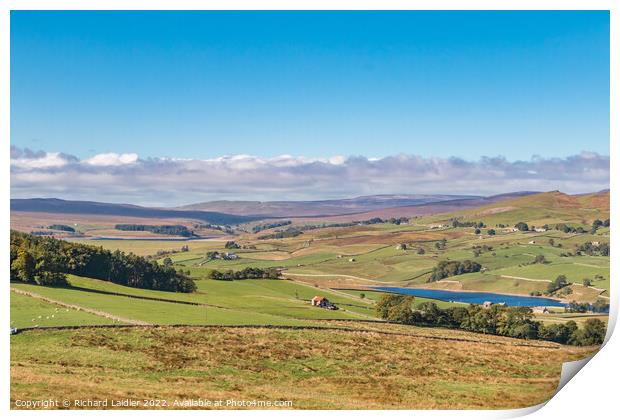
(156, 312)
(229, 302)
(313, 369)
(27, 311)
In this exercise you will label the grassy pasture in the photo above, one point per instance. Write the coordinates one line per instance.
(302, 366)
(230, 302)
(155, 312)
(27, 312)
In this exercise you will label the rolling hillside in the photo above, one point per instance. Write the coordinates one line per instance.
(55, 205)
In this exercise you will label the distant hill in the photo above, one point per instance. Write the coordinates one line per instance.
(437, 207)
(543, 208)
(55, 205)
(236, 212)
(323, 207)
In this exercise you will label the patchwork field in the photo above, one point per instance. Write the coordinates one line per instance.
(176, 345)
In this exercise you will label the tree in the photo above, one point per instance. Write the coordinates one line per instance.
(491, 232)
(453, 268)
(592, 333)
(167, 262)
(551, 241)
(587, 282)
(396, 308)
(557, 284)
(560, 333)
(517, 322)
(522, 226)
(477, 231)
(362, 295)
(23, 266)
(540, 259)
(421, 251)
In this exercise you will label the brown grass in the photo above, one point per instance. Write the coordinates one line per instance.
(314, 369)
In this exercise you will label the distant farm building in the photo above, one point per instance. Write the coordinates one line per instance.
(322, 302)
(351, 259)
(540, 229)
(438, 226)
(487, 304)
(531, 242)
(401, 246)
(540, 310)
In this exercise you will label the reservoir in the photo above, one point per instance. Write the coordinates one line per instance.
(477, 298)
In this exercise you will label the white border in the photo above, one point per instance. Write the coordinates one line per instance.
(591, 395)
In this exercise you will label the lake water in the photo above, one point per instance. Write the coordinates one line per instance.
(473, 297)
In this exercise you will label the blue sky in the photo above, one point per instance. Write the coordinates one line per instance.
(206, 84)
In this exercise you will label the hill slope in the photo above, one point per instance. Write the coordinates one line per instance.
(543, 208)
(55, 205)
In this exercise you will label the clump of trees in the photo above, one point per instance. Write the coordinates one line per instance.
(64, 228)
(453, 268)
(589, 248)
(563, 227)
(246, 273)
(47, 261)
(517, 321)
(176, 230)
(291, 232)
(226, 228)
(522, 226)
(479, 250)
(540, 259)
(266, 226)
(457, 223)
(559, 282)
(599, 223)
(231, 245)
(600, 306)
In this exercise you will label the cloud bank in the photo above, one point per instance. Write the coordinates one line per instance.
(114, 177)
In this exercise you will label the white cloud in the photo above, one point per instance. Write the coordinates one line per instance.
(171, 181)
(112, 159)
(47, 160)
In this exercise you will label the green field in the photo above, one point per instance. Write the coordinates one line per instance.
(28, 312)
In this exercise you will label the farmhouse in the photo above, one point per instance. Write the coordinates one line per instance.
(322, 302)
(540, 229)
(540, 310)
(487, 304)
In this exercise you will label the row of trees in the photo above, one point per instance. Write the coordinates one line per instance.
(266, 226)
(64, 228)
(457, 223)
(176, 230)
(453, 268)
(246, 273)
(298, 230)
(589, 248)
(47, 261)
(515, 321)
(600, 306)
(291, 232)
